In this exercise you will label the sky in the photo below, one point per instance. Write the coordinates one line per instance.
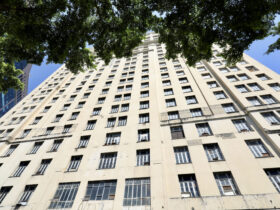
(257, 51)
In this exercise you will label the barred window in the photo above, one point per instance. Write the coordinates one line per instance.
(226, 183)
(220, 95)
(66, 128)
(122, 121)
(83, 141)
(229, 108)
(177, 132)
(113, 138)
(196, 112)
(203, 129)
(242, 88)
(275, 86)
(183, 80)
(144, 104)
(43, 166)
(191, 100)
(269, 99)
(213, 152)
(254, 101)
(143, 135)
(96, 111)
(56, 145)
(101, 190)
(111, 122)
(173, 115)
(74, 115)
(137, 192)
(188, 185)
(124, 107)
(4, 192)
(241, 125)
(144, 118)
(65, 195)
(108, 160)
(28, 190)
(36, 147)
(170, 102)
(212, 84)
(10, 150)
(257, 148)
(74, 163)
(143, 157)
(91, 124)
(271, 118)
(20, 169)
(254, 86)
(274, 176)
(187, 89)
(168, 92)
(182, 155)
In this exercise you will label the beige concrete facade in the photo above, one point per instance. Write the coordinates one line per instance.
(244, 143)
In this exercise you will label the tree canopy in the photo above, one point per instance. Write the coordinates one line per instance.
(61, 30)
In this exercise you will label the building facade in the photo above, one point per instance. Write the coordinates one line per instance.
(12, 97)
(146, 133)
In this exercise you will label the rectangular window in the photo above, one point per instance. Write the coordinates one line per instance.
(263, 77)
(74, 115)
(183, 80)
(58, 117)
(66, 128)
(65, 195)
(91, 124)
(111, 122)
(164, 76)
(274, 176)
(56, 145)
(191, 100)
(96, 111)
(74, 163)
(122, 121)
(101, 190)
(118, 97)
(10, 150)
(206, 76)
(143, 157)
(65, 107)
(114, 109)
(43, 166)
(229, 108)
(127, 96)
(36, 147)
(271, 118)
(182, 155)
(275, 86)
(170, 102)
(166, 82)
(144, 85)
(196, 112)
(36, 120)
(124, 107)
(4, 192)
(143, 135)
(46, 109)
(137, 192)
(232, 78)
(28, 190)
(243, 76)
(177, 132)
(144, 104)
(187, 89)
(83, 142)
(120, 89)
(188, 185)
(258, 148)
(254, 101)
(213, 152)
(212, 84)
(128, 87)
(108, 160)
(203, 129)
(105, 91)
(113, 138)
(224, 70)
(168, 92)
(241, 125)
(226, 183)
(254, 86)
(220, 95)
(269, 99)
(101, 100)
(20, 169)
(173, 115)
(144, 118)
(242, 88)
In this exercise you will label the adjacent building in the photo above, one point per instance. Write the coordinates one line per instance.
(146, 133)
(12, 97)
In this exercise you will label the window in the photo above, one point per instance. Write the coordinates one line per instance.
(143, 157)
(90, 87)
(91, 124)
(74, 115)
(101, 190)
(220, 95)
(144, 94)
(101, 100)
(118, 97)
(96, 111)
(164, 76)
(213, 152)
(108, 160)
(141, 195)
(25, 133)
(66, 128)
(254, 86)
(111, 122)
(144, 118)
(173, 115)
(122, 121)
(180, 73)
(243, 76)
(120, 89)
(4, 192)
(168, 92)
(188, 185)
(60, 199)
(54, 100)
(36, 147)
(177, 132)
(203, 129)
(128, 87)
(65, 107)
(183, 80)
(163, 69)
(242, 88)
(145, 77)
(72, 98)
(182, 155)
(232, 78)
(74, 163)
(20, 169)
(269, 99)
(241, 125)
(126, 96)
(10, 150)
(191, 100)
(113, 138)
(43, 166)
(196, 112)
(251, 68)
(217, 63)
(105, 91)
(166, 82)
(144, 85)
(58, 117)
(226, 183)
(263, 77)
(56, 145)
(28, 190)
(275, 86)
(144, 104)
(46, 109)
(206, 76)
(229, 108)
(212, 84)
(257, 148)
(143, 135)
(271, 118)
(274, 176)
(223, 70)
(200, 69)
(83, 142)
(124, 107)
(36, 120)
(254, 101)
(170, 102)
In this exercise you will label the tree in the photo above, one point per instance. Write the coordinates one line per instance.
(61, 29)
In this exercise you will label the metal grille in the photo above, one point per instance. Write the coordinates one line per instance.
(20, 169)
(213, 152)
(203, 129)
(143, 157)
(101, 190)
(55, 145)
(226, 183)
(188, 185)
(84, 141)
(182, 155)
(4, 192)
(74, 163)
(11, 150)
(91, 124)
(43, 166)
(28, 190)
(113, 138)
(96, 111)
(122, 121)
(144, 118)
(124, 107)
(36, 147)
(108, 160)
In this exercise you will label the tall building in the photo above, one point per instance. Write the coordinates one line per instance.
(12, 97)
(146, 133)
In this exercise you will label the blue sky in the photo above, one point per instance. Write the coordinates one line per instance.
(257, 51)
